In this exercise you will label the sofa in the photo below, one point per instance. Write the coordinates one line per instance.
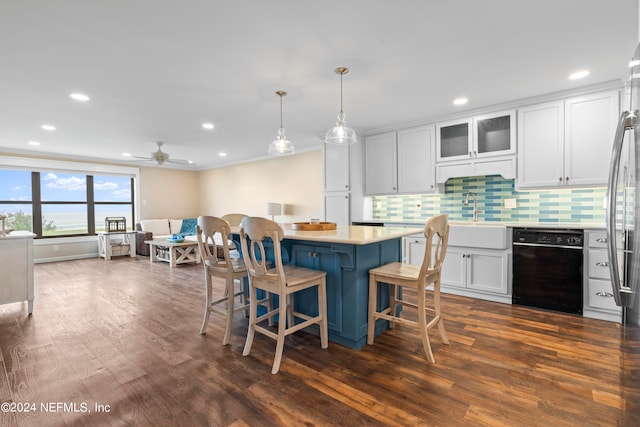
(148, 229)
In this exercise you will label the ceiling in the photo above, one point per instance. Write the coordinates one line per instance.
(157, 70)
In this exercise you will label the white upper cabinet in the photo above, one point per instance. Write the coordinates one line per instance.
(416, 157)
(541, 145)
(336, 167)
(400, 162)
(477, 137)
(380, 174)
(567, 143)
(590, 126)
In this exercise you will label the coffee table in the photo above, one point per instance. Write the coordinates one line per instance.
(173, 253)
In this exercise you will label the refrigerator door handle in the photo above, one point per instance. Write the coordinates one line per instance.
(628, 120)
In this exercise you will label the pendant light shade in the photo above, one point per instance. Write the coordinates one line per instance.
(341, 134)
(281, 146)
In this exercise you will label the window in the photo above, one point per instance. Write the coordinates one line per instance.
(63, 200)
(54, 204)
(15, 199)
(112, 198)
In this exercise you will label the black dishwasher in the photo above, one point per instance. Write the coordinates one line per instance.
(547, 269)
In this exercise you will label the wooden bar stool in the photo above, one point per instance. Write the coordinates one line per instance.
(217, 263)
(399, 275)
(283, 281)
(234, 220)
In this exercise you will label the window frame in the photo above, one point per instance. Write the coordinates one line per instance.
(39, 166)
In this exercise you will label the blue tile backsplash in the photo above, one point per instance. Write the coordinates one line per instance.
(578, 205)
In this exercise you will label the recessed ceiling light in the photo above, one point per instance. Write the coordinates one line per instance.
(48, 127)
(579, 74)
(190, 162)
(126, 154)
(208, 126)
(222, 154)
(34, 143)
(79, 97)
(460, 101)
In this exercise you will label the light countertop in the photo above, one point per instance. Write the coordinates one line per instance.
(548, 225)
(352, 235)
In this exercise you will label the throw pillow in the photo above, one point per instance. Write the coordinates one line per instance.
(188, 227)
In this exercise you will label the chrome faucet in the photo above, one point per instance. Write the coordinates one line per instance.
(475, 205)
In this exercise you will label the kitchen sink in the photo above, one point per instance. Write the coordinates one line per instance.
(478, 235)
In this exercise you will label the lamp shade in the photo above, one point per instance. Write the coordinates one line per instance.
(340, 134)
(281, 146)
(274, 209)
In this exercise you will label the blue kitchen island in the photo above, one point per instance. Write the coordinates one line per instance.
(346, 254)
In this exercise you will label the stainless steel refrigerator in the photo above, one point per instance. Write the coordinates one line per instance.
(623, 202)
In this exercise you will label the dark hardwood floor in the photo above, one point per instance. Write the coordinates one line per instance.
(124, 334)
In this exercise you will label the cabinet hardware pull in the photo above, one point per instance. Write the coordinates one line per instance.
(560, 179)
(602, 264)
(601, 240)
(470, 154)
(567, 179)
(604, 294)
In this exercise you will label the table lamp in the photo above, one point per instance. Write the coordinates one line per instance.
(274, 209)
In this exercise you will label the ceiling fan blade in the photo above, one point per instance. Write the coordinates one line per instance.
(179, 162)
(160, 157)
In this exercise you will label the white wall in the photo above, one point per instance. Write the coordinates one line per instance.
(168, 193)
(246, 188)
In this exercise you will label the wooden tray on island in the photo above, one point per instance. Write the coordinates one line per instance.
(306, 226)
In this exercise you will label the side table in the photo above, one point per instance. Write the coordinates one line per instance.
(117, 244)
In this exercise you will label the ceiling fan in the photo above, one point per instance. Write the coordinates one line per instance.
(160, 157)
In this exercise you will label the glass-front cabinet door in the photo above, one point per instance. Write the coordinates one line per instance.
(453, 140)
(480, 136)
(494, 134)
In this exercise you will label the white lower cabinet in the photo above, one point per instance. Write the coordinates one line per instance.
(473, 269)
(413, 248)
(599, 302)
(16, 275)
(469, 271)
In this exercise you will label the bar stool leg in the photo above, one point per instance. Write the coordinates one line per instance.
(373, 297)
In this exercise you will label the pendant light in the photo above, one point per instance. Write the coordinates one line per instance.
(340, 134)
(281, 146)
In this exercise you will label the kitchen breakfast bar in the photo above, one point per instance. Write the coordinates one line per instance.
(346, 254)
